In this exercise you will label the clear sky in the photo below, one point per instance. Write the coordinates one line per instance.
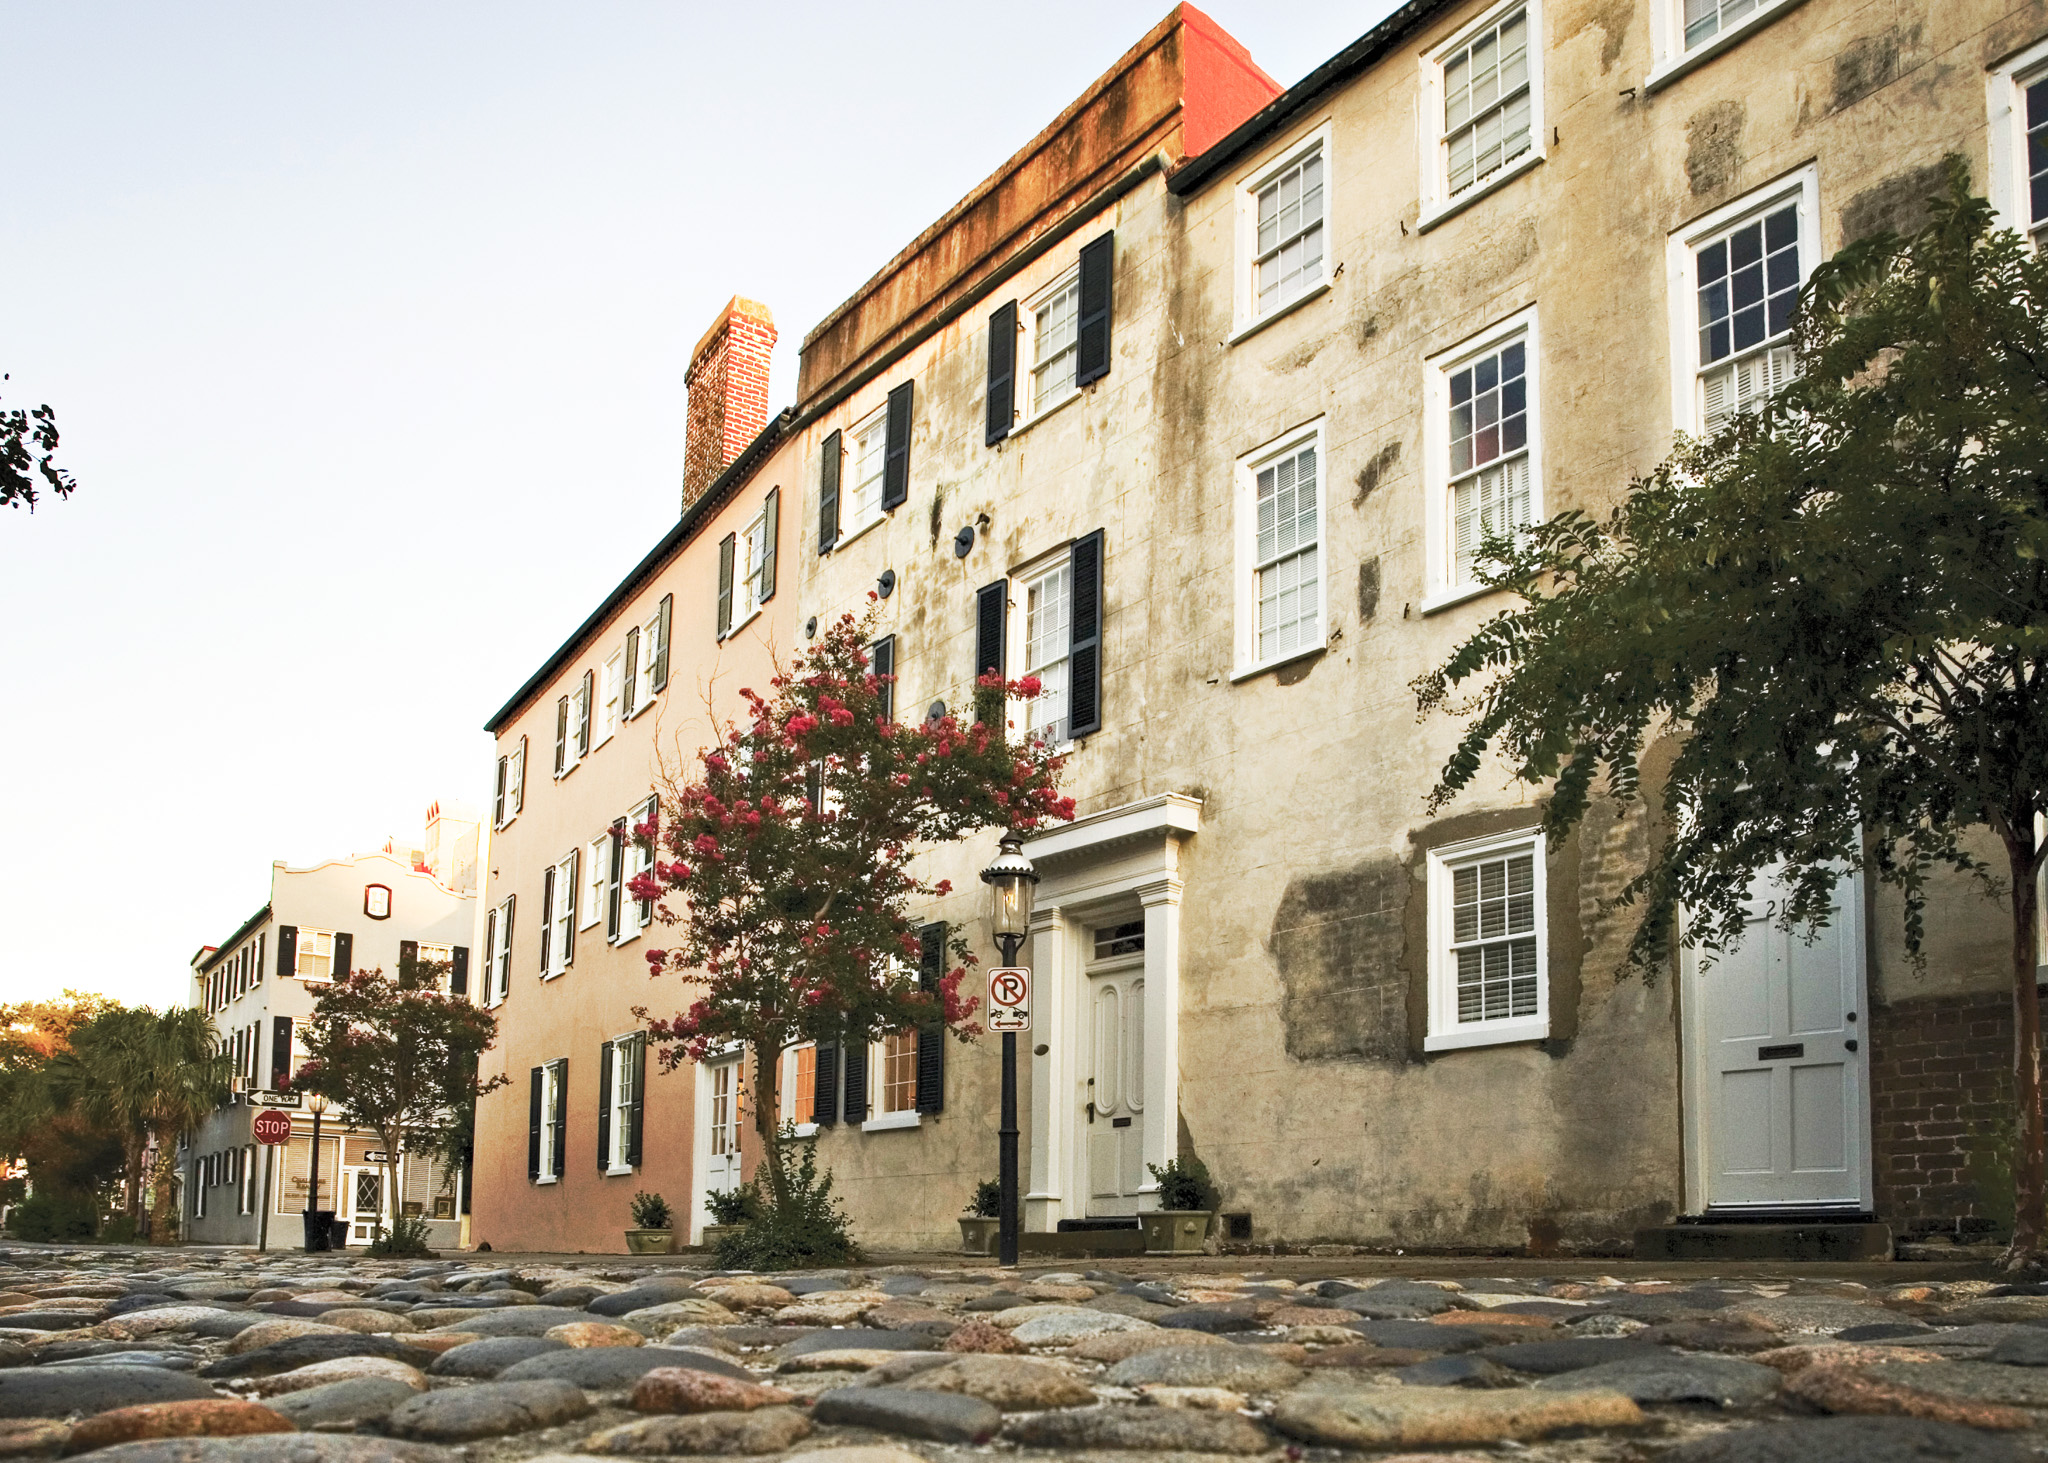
(365, 325)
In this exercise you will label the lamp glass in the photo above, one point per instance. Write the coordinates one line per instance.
(316, 1103)
(1010, 895)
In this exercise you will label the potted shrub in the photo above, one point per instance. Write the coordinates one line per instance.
(983, 1219)
(652, 1233)
(732, 1210)
(1187, 1207)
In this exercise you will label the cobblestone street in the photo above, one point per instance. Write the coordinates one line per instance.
(190, 1356)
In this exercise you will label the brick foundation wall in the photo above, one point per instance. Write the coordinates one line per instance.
(728, 386)
(1940, 1087)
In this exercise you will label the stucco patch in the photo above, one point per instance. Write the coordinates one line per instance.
(1899, 203)
(1867, 63)
(1368, 588)
(1713, 151)
(1375, 470)
(1337, 940)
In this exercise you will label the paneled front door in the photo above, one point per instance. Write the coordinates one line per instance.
(362, 1190)
(725, 1117)
(1780, 1046)
(1116, 1089)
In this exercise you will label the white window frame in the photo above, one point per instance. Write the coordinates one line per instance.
(246, 1199)
(1028, 367)
(611, 687)
(1247, 531)
(579, 723)
(1670, 57)
(515, 782)
(880, 1120)
(561, 919)
(853, 523)
(638, 861)
(2006, 95)
(1801, 185)
(596, 874)
(1446, 1032)
(1246, 318)
(501, 957)
(1441, 586)
(750, 549)
(792, 1066)
(620, 1099)
(550, 1086)
(643, 674)
(1438, 203)
(299, 956)
(1022, 713)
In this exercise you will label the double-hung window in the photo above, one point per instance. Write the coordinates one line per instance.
(1684, 33)
(549, 1112)
(1280, 576)
(314, 955)
(1283, 213)
(1481, 437)
(869, 456)
(1048, 606)
(800, 1085)
(614, 687)
(1735, 279)
(624, 1067)
(562, 917)
(2019, 143)
(501, 955)
(650, 648)
(579, 719)
(1488, 946)
(597, 863)
(1052, 319)
(639, 860)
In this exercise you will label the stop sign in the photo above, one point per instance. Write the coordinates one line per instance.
(272, 1126)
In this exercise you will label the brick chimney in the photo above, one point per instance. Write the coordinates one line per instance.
(728, 386)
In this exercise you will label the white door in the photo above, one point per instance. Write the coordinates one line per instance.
(725, 1117)
(362, 1190)
(1781, 1062)
(1114, 1114)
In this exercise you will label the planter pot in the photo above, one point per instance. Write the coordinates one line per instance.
(1175, 1231)
(978, 1236)
(650, 1241)
(713, 1233)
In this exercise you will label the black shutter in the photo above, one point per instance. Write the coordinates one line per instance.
(814, 786)
(896, 447)
(344, 955)
(828, 493)
(287, 949)
(408, 950)
(561, 735)
(645, 814)
(561, 1114)
(604, 1107)
(931, 1036)
(725, 548)
(583, 717)
(856, 1081)
(1091, 343)
(661, 619)
(825, 1085)
(1084, 643)
(569, 905)
(533, 1127)
(991, 620)
(618, 870)
(280, 1053)
(547, 916)
(1002, 374)
(458, 971)
(885, 670)
(771, 532)
(498, 806)
(628, 702)
(637, 1054)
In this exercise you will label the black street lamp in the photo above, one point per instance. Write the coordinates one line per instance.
(316, 1104)
(1010, 881)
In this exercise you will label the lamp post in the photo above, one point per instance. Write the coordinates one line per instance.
(1010, 881)
(316, 1104)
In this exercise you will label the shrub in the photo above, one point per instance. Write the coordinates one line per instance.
(1184, 1184)
(987, 1202)
(47, 1217)
(734, 1206)
(407, 1236)
(808, 1228)
(120, 1230)
(651, 1211)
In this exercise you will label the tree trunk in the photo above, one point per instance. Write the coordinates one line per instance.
(160, 1194)
(767, 1118)
(131, 1182)
(2030, 1156)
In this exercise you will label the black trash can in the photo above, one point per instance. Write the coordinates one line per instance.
(319, 1228)
(337, 1233)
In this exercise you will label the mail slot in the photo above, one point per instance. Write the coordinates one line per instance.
(1780, 1053)
(1121, 1123)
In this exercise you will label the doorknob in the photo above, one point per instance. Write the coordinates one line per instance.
(1091, 1112)
(1850, 1043)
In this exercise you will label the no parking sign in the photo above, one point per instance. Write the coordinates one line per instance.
(1009, 998)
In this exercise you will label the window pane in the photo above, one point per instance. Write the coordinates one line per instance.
(1486, 104)
(1493, 910)
(1047, 611)
(1290, 249)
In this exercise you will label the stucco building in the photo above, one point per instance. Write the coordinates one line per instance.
(259, 986)
(1204, 400)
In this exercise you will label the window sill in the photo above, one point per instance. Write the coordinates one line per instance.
(618, 1171)
(546, 1178)
(1254, 327)
(644, 705)
(1445, 599)
(549, 975)
(1499, 1033)
(1039, 416)
(731, 630)
(847, 536)
(1471, 196)
(889, 1120)
(804, 1130)
(1249, 672)
(1669, 70)
(568, 769)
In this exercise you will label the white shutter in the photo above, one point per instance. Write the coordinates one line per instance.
(490, 971)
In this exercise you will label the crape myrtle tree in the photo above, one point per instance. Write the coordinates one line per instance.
(787, 862)
(1835, 608)
(400, 1055)
(28, 442)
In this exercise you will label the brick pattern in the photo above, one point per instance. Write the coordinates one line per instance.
(1940, 1086)
(728, 386)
